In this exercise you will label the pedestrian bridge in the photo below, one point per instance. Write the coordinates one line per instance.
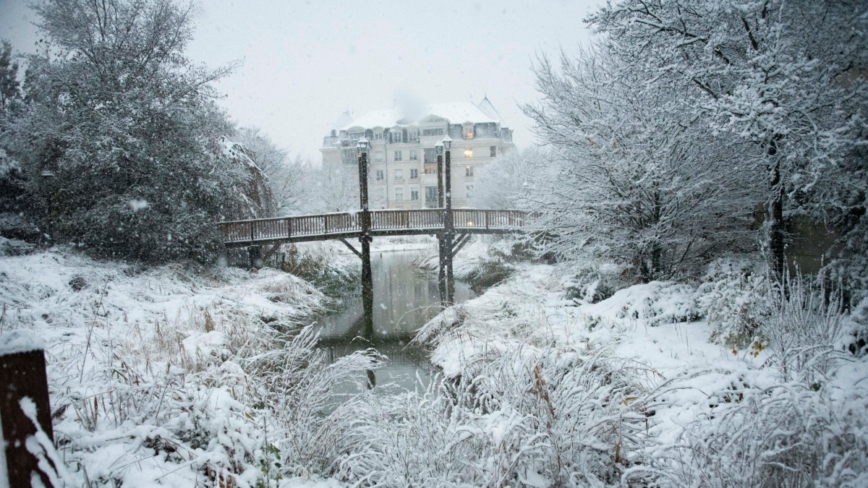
(382, 223)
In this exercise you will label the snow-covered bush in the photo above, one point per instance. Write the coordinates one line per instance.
(655, 303)
(804, 332)
(787, 435)
(593, 282)
(734, 297)
(524, 416)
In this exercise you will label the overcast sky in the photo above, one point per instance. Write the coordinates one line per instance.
(305, 62)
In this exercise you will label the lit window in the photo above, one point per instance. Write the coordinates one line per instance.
(493, 150)
(468, 152)
(398, 156)
(399, 175)
(413, 155)
(414, 174)
(468, 171)
(414, 193)
(399, 193)
(468, 132)
(379, 175)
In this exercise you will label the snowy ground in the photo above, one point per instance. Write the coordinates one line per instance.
(178, 377)
(667, 392)
(150, 372)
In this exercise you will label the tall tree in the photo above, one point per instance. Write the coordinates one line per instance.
(638, 180)
(787, 77)
(127, 125)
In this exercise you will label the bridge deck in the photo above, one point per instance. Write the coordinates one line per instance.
(383, 222)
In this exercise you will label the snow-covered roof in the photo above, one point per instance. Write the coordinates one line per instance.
(456, 113)
(344, 120)
(489, 110)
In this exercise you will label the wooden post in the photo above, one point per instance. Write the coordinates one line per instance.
(23, 388)
(450, 231)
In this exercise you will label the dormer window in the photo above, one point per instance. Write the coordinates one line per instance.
(468, 131)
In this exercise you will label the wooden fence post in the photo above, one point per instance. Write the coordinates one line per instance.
(25, 413)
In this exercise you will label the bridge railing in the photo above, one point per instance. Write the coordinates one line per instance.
(429, 218)
(467, 219)
(287, 227)
(325, 225)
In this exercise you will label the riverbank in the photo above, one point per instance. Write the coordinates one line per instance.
(172, 374)
(635, 389)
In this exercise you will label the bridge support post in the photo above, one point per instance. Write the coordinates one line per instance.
(449, 223)
(441, 268)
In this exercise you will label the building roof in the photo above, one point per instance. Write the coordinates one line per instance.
(489, 110)
(456, 113)
(342, 121)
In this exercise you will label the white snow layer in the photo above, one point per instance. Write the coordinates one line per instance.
(18, 341)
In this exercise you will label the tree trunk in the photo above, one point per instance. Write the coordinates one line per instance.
(776, 220)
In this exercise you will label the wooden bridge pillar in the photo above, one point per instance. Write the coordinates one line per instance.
(449, 223)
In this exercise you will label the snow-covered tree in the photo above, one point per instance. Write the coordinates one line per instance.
(507, 181)
(785, 77)
(334, 189)
(127, 126)
(9, 86)
(286, 176)
(637, 180)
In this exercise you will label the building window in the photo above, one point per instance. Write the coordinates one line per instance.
(413, 155)
(431, 197)
(468, 152)
(432, 132)
(396, 137)
(469, 190)
(493, 150)
(414, 174)
(378, 156)
(414, 193)
(430, 169)
(378, 136)
(379, 175)
(468, 132)
(468, 171)
(399, 193)
(430, 155)
(399, 175)
(398, 156)
(412, 136)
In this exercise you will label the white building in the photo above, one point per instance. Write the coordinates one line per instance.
(403, 170)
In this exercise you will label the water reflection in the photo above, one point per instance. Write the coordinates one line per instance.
(405, 298)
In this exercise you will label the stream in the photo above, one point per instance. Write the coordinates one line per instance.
(405, 299)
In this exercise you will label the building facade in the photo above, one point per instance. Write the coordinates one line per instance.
(403, 159)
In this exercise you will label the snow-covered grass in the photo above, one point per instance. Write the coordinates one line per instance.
(539, 390)
(174, 376)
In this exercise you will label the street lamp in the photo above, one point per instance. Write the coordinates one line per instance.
(438, 149)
